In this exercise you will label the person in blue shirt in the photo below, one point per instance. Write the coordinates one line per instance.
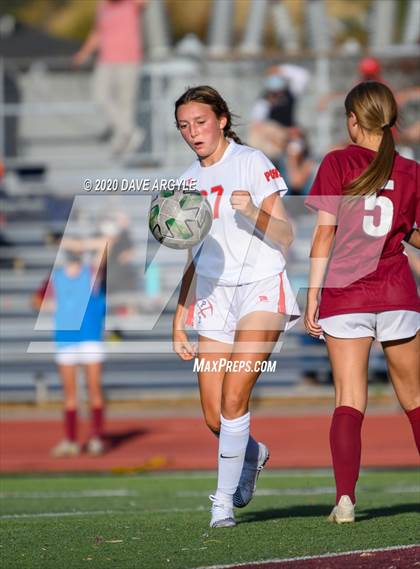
(76, 293)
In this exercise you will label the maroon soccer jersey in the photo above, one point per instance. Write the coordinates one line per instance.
(368, 270)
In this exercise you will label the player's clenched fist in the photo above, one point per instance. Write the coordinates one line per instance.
(242, 201)
(185, 349)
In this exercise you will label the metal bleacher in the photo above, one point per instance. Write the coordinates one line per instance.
(140, 365)
(58, 129)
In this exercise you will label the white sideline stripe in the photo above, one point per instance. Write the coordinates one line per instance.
(309, 557)
(304, 491)
(267, 492)
(102, 512)
(52, 515)
(118, 493)
(123, 493)
(273, 473)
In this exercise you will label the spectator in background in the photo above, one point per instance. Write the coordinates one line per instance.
(298, 166)
(152, 285)
(298, 170)
(370, 69)
(7, 260)
(410, 96)
(116, 36)
(121, 273)
(274, 112)
(11, 96)
(76, 295)
(407, 135)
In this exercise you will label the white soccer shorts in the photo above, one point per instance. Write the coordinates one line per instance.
(81, 353)
(383, 326)
(218, 309)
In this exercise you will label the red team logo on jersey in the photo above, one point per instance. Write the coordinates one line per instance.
(263, 298)
(272, 174)
(204, 309)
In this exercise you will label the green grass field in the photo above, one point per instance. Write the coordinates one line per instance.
(154, 521)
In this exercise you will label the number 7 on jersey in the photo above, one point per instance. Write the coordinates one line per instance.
(215, 190)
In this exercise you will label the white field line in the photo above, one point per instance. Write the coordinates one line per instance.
(123, 493)
(102, 512)
(117, 493)
(273, 473)
(53, 515)
(305, 491)
(212, 474)
(112, 493)
(310, 557)
(268, 473)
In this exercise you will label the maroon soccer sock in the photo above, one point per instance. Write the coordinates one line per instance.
(414, 418)
(70, 424)
(345, 443)
(97, 421)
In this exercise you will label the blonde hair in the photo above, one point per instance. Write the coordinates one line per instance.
(376, 112)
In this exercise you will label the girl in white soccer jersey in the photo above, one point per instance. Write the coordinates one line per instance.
(242, 295)
(368, 201)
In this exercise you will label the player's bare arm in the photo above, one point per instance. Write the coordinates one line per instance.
(413, 238)
(322, 244)
(271, 219)
(82, 245)
(88, 48)
(181, 345)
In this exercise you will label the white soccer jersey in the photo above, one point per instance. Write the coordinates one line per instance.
(233, 253)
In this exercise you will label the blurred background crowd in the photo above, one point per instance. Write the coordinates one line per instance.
(87, 90)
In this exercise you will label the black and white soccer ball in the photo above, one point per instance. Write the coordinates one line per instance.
(180, 219)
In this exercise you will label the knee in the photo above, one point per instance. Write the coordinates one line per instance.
(234, 406)
(350, 398)
(411, 404)
(213, 422)
(96, 401)
(96, 398)
(353, 402)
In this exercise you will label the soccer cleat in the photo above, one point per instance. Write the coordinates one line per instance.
(95, 446)
(66, 448)
(343, 512)
(221, 514)
(249, 476)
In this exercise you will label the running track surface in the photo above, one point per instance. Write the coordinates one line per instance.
(186, 444)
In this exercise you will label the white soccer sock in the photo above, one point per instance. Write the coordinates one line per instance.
(233, 441)
(252, 450)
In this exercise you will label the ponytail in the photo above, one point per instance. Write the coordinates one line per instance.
(229, 133)
(376, 111)
(379, 171)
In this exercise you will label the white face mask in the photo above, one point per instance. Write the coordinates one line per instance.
(296, 146)
(109, 228)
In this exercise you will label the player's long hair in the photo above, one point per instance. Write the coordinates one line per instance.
(376, 111)
(209, 96)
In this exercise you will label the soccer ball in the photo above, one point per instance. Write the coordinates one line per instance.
(180, 219)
